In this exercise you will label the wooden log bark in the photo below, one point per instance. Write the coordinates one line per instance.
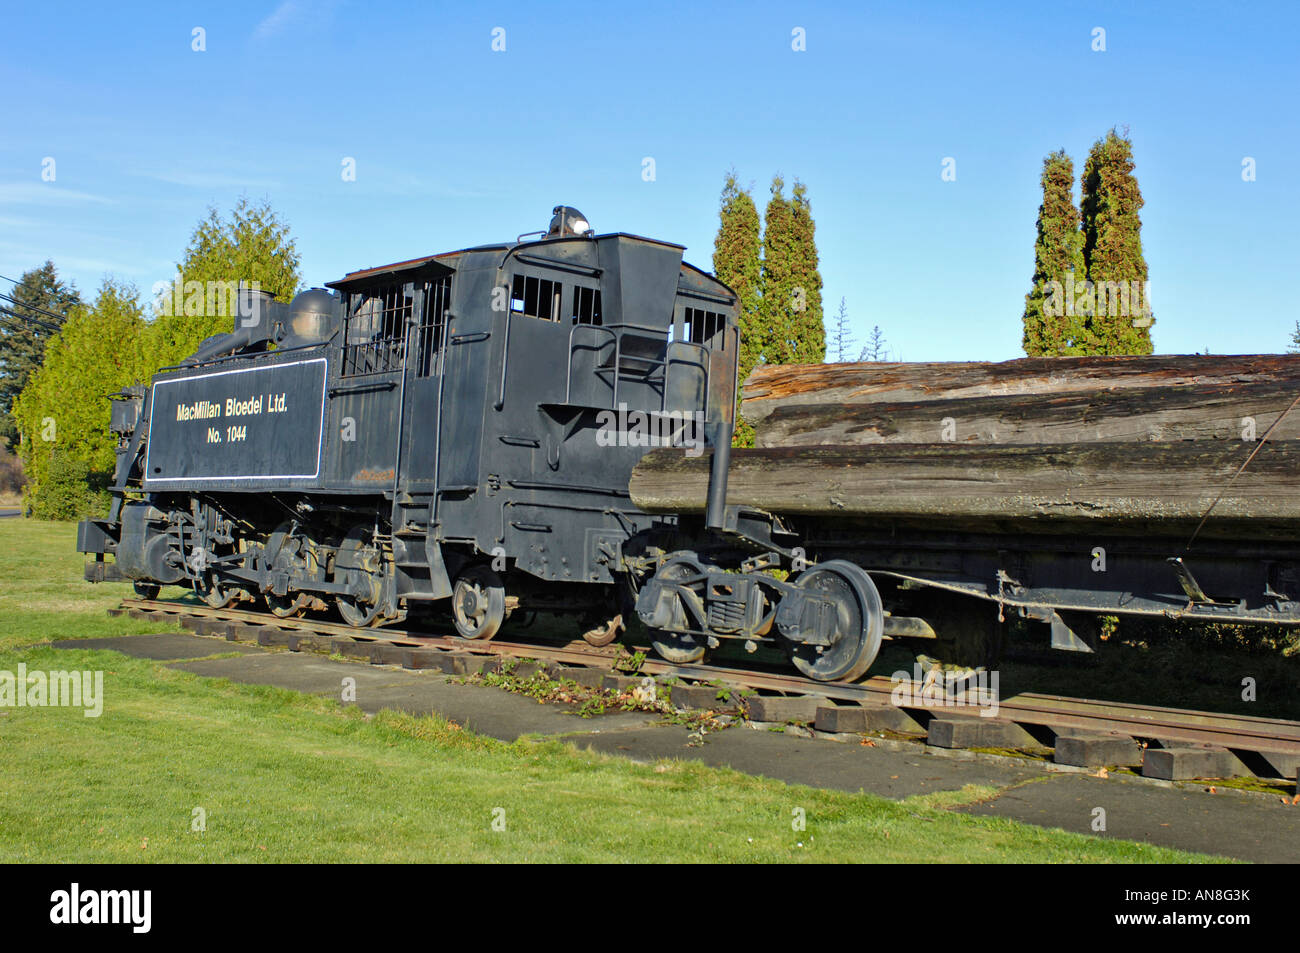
(770, 387)
(1106, 487)
(1222, 412)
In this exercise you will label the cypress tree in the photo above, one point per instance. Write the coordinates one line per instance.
(1112, 251)
(779, 278)
(737, 247)
(810, 331)
(736, 263)
(1049, 330)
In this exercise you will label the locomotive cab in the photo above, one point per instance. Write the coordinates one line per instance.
(567, 359)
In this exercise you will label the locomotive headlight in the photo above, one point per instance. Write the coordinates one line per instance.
(567, 221)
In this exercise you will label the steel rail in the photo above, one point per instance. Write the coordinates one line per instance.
(1240, 733)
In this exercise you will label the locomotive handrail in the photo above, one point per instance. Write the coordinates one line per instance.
(702, 364)
(514, 249)
(618, 344)
(231, 357)
(585, 487)
(568, 368)
(362, 387)
(505, 362)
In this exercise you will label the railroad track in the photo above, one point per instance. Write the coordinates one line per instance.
(1264, 747)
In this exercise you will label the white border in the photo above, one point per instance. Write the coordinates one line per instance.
(320, 438)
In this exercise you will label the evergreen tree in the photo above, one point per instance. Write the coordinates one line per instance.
(1294, 346)
(1058, 259)
(781, 293)
(736, 264)
(39, 296)
(810, 332)
(779, 279)
(62, 414)
(1112, 251)
(252, 245)
(843, 335)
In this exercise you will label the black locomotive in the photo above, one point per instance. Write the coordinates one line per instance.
(462, 427)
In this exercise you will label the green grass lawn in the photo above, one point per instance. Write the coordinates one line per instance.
(281, 776)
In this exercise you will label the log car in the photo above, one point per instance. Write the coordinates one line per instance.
(1073, 488)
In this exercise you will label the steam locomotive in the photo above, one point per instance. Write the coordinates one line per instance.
(455, 434)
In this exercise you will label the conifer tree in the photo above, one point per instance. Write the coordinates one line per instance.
(1058, 259)
(737, 264)
(810, 332)
(62, 413)
(40, 300)
(779, 279)
(781, 292)
(1112, 250)
(252, 246)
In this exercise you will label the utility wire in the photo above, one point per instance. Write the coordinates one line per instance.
(8, 326)
(52, 328)
(29, 319)
(32, 307)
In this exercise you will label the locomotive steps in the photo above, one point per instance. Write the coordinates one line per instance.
(1166, 743)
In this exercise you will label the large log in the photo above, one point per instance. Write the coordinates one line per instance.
(1099, 488)
(770, 387)
(1220, 412)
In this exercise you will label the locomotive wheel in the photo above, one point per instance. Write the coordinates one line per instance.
(680, 648)
(859, 626)
(216, 593)
(289, 557)
(207, 548)
(478, 603)
(605, 632)
(286, 607)
(359, 564)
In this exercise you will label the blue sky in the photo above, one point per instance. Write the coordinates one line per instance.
(456, 144)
